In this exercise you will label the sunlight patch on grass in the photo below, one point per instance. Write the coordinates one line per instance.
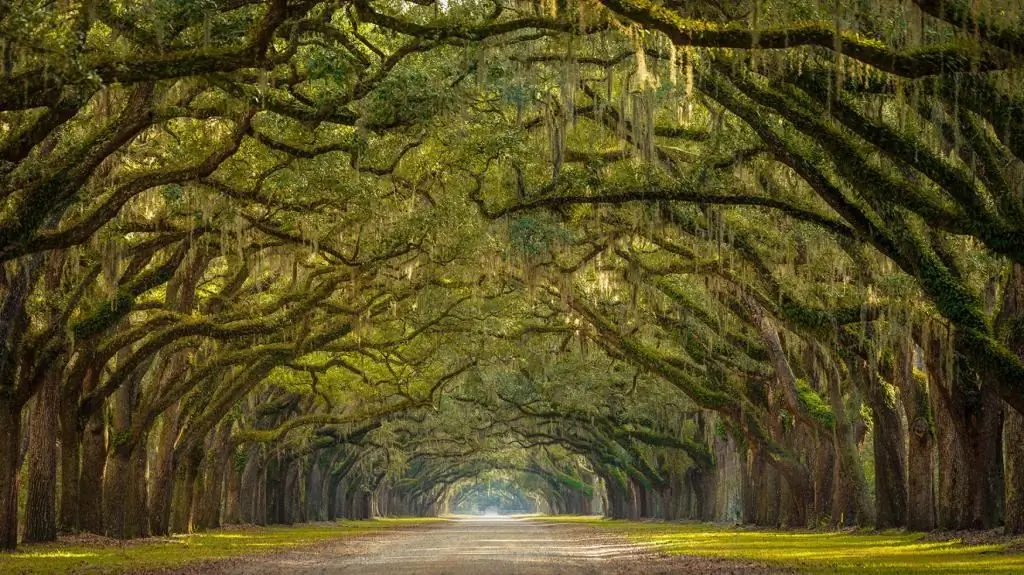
(54, 554)
(888, 553)
(181, 550)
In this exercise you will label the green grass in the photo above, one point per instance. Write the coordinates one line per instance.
(893, 552)
(110, 557)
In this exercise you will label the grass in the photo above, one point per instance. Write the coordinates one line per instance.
(894, 552)
(111, 557)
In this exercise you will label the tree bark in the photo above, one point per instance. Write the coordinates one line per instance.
(214, 476)
(186, 475)
(1013, 441)
(41, 507)
(90, 483)
(116, 488)
(920, 444)
(233, 493)
(10, 443)
(1010, 324)
(968, 416)
(137, 515)
(249, 485)
(70, 464)
(850, 474)
(162, 476)
(890, 454)
(314, 491)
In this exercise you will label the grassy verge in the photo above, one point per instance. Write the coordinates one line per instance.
(112, 557)
(821, 551)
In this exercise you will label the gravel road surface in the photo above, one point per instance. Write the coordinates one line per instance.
(484, 546)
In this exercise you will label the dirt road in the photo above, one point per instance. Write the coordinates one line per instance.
(485, 546)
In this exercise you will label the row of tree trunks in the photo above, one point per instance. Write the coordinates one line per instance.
(953, 425)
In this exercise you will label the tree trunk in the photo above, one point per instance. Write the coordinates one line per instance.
(986, 435)
(850, 474)
(10, 443)
(968, 417)
(314, 491)
(90, 483)
(214, 476)
(249, 485)
(116, 488)
(186, 474)
(822, 479)
(162, 476)
(1013, 442)
(920, 444)
(233, 493)
(290, 494)
(890, 455)
(137, 515)
(41, 507)
(125, 510)
(259, 500)
(332, 499)
(70, 464)
(1010, 325)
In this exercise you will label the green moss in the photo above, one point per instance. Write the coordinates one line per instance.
(813, 405)
(181, 550)
(104, 315)
(888, 553)
(575, 484)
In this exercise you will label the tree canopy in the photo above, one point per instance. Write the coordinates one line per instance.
(279, 260)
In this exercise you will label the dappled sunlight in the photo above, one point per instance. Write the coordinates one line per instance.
(52, 555)
(273, 269)
(820, 552)
(180, 550)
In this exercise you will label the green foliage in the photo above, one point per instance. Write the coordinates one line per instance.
(814, 405)
(432, 243)
(531, 237)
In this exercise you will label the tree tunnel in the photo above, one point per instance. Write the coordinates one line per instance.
(278, 261)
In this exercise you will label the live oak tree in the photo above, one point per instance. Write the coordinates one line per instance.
(281, 260)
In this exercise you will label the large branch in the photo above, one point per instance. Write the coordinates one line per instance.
(926, 62)
(960, 15)
(42, 87)
(673, 194)
(81, 230)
